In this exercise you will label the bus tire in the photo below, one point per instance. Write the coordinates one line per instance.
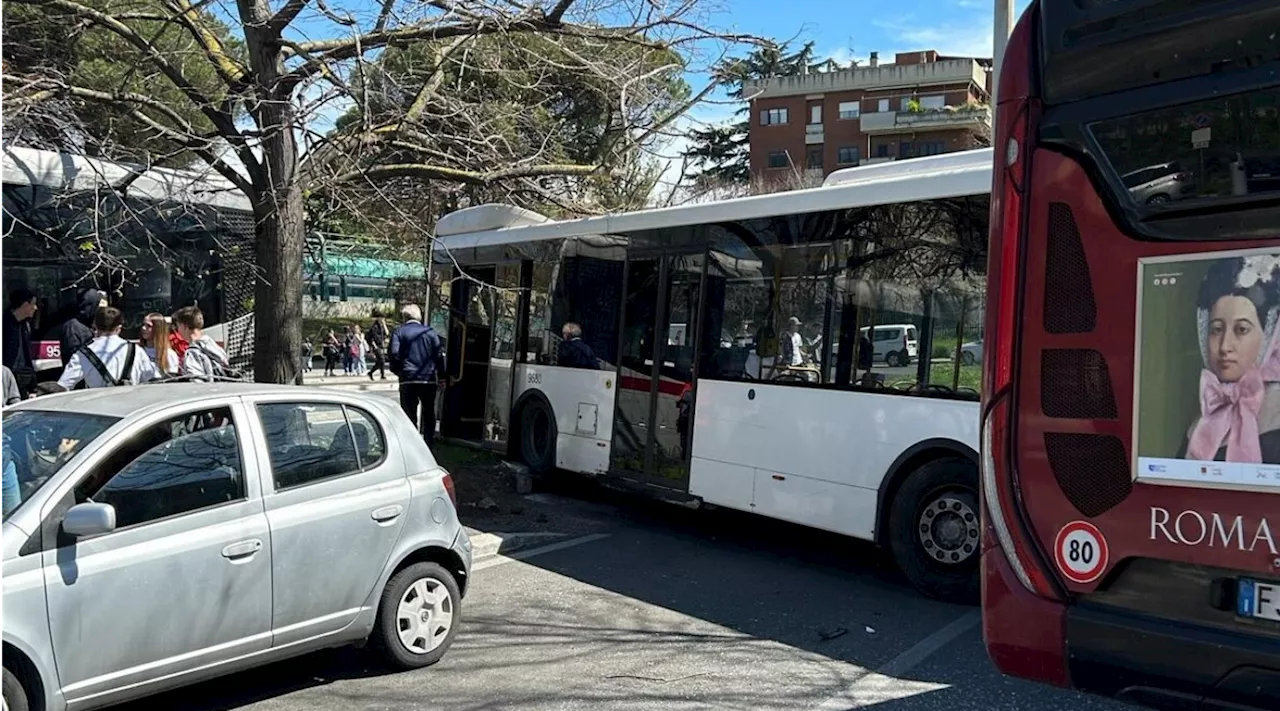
(538, 436)
(935, 530)
(15, 697)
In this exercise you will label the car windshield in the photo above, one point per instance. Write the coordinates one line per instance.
(36, 444)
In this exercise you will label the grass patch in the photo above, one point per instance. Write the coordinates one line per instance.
(942, 374)
(455, 457)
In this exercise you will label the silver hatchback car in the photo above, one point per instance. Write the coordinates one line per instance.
(159, 535)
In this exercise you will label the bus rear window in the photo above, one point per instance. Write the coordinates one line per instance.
(1222, 148)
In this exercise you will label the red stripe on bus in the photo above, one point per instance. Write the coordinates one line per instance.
(669, 387)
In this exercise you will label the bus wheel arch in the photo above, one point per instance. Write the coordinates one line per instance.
(928, 518)
(534, 434)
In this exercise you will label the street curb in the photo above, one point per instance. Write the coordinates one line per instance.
(488, 545)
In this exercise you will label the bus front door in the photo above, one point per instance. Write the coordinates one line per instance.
(467, 355)
(652, 431)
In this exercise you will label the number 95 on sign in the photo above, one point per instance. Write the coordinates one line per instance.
(1081, 552)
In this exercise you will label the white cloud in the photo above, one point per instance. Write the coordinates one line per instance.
(669, 152)
(971, 37)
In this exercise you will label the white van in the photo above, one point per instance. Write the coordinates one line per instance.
(896, 344)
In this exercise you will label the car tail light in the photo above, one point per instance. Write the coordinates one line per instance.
(447, 480)
(1016, 113)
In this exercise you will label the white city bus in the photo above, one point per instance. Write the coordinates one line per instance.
(734, 366)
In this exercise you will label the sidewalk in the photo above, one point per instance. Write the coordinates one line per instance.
(350, 382)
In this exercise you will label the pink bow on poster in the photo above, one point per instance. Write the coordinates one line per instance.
(1229, 412)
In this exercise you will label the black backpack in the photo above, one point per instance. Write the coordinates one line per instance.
(126, 373)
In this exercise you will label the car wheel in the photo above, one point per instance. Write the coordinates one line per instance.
(418, 616)
(968, 358)
(15, 697)
(935, 528)
(893, 360)
(538, 437)
(1158, 199)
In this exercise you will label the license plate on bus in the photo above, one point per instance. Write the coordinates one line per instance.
(1259, 600)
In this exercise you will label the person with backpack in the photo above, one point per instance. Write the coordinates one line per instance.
(204, 360)
(108, 360)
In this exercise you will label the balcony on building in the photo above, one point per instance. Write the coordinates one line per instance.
(976, 117)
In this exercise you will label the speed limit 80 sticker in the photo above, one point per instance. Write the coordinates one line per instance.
(1081, 552)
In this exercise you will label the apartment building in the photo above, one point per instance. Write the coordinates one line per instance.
(922, 104)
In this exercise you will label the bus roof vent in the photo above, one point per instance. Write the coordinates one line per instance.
(484, 218)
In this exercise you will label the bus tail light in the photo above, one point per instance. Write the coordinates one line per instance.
(1016, 114)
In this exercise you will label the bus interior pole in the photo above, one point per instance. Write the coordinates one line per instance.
(1003, 26)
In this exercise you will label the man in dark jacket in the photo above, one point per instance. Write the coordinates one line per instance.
(417, 358)
(17, 339)
(78, 331)
(574, 352)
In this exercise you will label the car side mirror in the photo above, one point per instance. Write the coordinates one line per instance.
(89, 519)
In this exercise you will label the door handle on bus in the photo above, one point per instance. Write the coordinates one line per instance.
(243, 549)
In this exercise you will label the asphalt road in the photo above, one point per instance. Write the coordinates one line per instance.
(654, 608)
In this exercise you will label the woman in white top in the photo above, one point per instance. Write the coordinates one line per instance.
(154, 338)
(362, 351)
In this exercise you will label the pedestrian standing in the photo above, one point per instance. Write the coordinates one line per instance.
(107, 360)
(154, 339)
(360, 350)
(307, 355)
(417, 357)
(348, 362)
(204, 359)
(378, 334)
(330, 350)
(78, 330)
(11, 394)
(17, 339)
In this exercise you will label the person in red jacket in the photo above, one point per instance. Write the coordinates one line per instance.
(177, 343)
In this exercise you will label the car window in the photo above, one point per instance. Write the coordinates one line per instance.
(37, 444)
(310, 442)
(175, 467)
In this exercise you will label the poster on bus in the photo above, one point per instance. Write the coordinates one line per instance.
(1207, 408)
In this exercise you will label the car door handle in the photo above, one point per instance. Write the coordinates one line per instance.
(242, 549)
(387, 513)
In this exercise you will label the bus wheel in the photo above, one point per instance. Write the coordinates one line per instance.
(538, 437)
(935, 530)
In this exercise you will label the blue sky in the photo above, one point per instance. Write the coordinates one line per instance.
(844, 30)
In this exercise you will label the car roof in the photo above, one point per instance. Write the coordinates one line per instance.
(138, 399)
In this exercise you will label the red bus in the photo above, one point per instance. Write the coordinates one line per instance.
(1131, 400)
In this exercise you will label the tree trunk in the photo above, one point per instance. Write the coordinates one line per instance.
(277, 206)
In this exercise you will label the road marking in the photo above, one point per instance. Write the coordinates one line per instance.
(526, 554)
(880, 685)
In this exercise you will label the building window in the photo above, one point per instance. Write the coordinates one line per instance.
(815, 114)
(813, 160)
(933, 102)
(779, 159)
(882, 150)
(904, 149)
(847, 155)
(931, 148)
(883, 106)
(850, 110)
(773, 117)
(904, 104)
